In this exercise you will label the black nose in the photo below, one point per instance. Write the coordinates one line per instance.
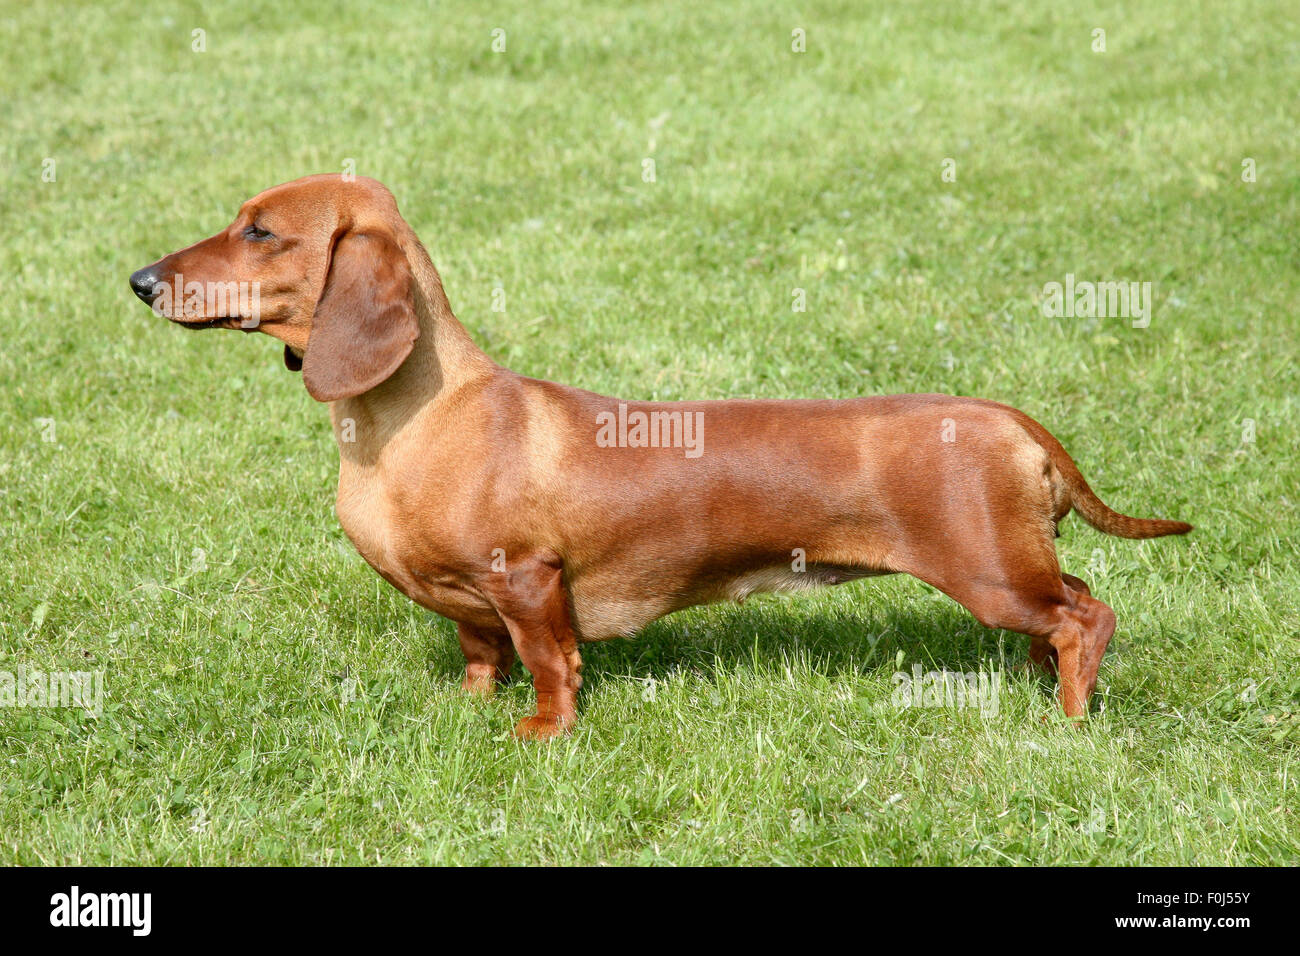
(145, 284)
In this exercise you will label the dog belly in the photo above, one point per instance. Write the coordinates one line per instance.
(600, 618)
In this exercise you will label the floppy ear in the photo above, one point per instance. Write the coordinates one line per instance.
(365, 323)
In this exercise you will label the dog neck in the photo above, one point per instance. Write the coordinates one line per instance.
(443, 360)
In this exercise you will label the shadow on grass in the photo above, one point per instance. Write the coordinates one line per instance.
(862, 629)
(833, 641)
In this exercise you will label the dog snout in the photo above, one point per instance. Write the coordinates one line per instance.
(144, 283)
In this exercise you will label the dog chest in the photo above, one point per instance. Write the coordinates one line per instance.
(407, 550)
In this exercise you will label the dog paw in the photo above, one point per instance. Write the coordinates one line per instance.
(537, 727)
(481, 685)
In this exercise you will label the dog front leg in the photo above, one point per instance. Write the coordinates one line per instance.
(489, 655)
(530, 597)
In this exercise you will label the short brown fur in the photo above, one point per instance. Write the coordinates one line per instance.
(483, 495)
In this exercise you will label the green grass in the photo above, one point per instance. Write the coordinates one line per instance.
(271, 700)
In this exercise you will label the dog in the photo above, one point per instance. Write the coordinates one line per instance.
(539, 517)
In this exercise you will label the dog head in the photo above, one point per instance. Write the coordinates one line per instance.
(316, 263)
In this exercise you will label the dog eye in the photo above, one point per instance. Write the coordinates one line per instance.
(257, 235)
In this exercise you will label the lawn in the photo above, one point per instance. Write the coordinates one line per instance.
(919, 171)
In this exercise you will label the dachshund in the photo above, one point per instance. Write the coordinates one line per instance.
(539, 517)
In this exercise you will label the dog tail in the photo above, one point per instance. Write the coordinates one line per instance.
(1085, 501)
